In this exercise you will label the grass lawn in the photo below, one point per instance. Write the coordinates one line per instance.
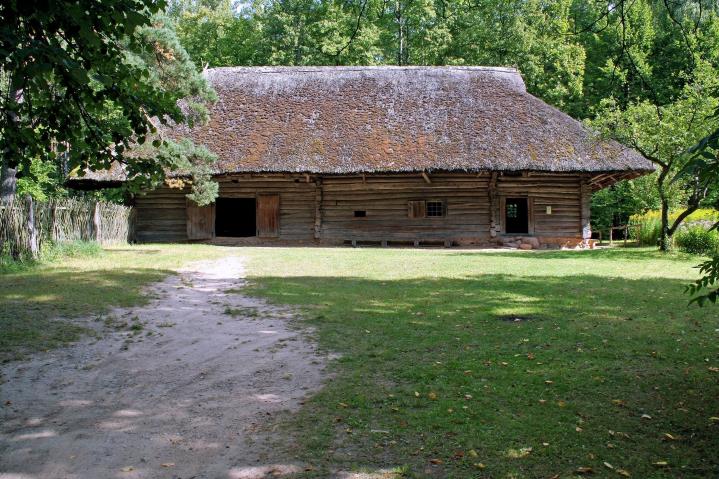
(80, 284)
(608, 369)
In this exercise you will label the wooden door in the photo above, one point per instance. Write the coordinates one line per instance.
(268, 216)
(516, 215)
(200, 221)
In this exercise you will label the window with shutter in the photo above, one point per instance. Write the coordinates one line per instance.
(416, 209)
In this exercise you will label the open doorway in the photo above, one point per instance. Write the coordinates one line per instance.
(236, 217)
(516, 216)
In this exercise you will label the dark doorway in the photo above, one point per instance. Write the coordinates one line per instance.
(516, 215)
(235, 217)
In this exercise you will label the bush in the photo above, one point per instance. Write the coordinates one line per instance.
(697, 240)
(651, 224)
(648, 234)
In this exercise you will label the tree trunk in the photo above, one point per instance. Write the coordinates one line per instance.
(398, 13)
(8, 183)
(8, 168)
(664, 237)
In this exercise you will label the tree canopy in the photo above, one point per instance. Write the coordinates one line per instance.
(84, 81)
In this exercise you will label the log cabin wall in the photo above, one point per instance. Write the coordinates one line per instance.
(297, 200)
(385, 202)
(560, 193)
(160, 216)
(322, 209)
(161, 213)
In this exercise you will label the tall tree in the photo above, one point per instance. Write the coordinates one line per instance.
(663, 133)
(651, 71)
(84, 81)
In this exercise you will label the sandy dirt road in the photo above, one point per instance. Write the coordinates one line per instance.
(193, 399)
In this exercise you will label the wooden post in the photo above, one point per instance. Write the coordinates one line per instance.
(31, 229)
(318, 208)
(96, 230)
(131, 229)
(586, 202)
(494, 226)
(53, 220)
(626, 234)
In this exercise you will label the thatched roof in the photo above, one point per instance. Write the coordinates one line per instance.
(390, 119)
(340, 120)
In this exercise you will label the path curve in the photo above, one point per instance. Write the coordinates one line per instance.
(192, 399)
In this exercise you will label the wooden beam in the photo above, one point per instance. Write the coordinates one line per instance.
(585, 213)
(426, 178)
(307, 177)
(494, 226)
(318, 209)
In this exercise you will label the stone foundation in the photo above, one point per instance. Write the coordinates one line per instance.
(539, 242)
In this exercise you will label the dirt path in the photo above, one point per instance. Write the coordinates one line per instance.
(192, 399)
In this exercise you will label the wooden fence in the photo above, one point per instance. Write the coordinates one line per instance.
(26, 225)
(625, 229)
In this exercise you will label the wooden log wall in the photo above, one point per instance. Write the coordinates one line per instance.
(322, 208)
(385, 200)
(297, 200)
(161, 214)
(560, 192)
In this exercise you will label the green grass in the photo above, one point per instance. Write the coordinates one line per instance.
(434, 378)
(79, 280)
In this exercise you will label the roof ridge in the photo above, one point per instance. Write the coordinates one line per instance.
(320, 68)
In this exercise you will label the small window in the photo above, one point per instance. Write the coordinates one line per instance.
(360, 214)
(435, 208)
(512, 210)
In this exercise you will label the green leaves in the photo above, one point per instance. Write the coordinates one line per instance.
(93, 75)
(710, 280)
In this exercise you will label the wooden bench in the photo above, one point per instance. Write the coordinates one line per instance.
(384, 243)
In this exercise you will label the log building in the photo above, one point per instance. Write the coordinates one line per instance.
(389, 155)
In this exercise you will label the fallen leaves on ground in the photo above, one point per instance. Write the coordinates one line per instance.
(519, 453)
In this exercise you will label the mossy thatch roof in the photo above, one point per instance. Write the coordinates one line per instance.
(337, 120)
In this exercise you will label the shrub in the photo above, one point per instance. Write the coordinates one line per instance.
(651, 224)
(697, 240)
(648, 233)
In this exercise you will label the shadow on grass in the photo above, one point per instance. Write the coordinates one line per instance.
(34, 301)
(433, 366)
(628, 254)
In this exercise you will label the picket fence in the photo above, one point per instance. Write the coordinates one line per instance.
(26, 226)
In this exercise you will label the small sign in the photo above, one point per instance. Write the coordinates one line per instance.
(549, 210)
